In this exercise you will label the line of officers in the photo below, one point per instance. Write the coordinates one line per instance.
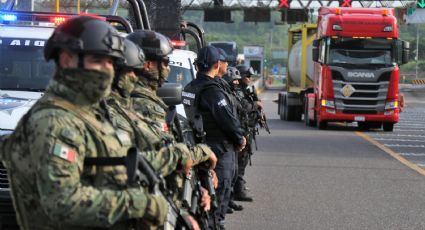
(64, 157)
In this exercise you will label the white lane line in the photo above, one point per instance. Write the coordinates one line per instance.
(421, 164)
(404, 146)
(413, 154)
(410, 130)
(401, 140)
(398, 135)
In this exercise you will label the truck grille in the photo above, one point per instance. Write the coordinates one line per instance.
(367, 98)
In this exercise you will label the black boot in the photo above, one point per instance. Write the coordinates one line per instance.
(242, 196)
(235, 206)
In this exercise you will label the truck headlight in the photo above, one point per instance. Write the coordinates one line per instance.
(328, 103)
(391, 105)
(388, 29)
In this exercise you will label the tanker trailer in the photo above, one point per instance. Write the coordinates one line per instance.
(300, 69)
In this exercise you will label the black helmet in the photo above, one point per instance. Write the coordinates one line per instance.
(84, 34)
(245, 71)
(155, 45)
(232, 74)
(133, 55)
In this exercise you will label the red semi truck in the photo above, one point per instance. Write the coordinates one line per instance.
(345, 68)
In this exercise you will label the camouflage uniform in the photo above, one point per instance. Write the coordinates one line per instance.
(147, 103)
(156, 136)
(51, 187)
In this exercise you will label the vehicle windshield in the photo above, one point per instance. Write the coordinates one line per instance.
(349, 51)
(100, 7)
(180, 75)
(22, 65)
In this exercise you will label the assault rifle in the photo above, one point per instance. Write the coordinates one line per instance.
(141, 173)
(199, 175)
(261, 116)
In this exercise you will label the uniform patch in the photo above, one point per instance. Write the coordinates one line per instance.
(123, 137)
(64, 152)
(223, 102)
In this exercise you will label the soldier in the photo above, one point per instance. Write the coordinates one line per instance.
(199, 153)
(52, 187)
(206, 101)
(155, 72)
(250, 105)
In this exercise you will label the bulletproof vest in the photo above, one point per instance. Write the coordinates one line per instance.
(201, 121)
(104, 141)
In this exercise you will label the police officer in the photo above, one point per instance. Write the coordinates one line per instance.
(204, 97)
(51, 186)
(155, 72)
(250, 104)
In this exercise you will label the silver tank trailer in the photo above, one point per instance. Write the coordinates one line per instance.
(294, 63)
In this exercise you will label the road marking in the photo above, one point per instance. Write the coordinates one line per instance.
(404, 146)
(413, 154)
(401, 140)
(392, 153)
(410, 130)
(397, 135)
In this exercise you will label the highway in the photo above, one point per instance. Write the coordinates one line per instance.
(342, 178)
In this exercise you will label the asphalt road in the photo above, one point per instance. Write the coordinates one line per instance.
(305, 178)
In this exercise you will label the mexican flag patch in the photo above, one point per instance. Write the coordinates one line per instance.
(64, 152)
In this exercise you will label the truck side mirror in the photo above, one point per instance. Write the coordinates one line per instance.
(170, 93)
(405, 52)
(315, 51)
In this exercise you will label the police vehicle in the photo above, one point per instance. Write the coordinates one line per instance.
(182, 70)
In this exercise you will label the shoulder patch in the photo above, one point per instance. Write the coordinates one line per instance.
(222, 102)
(63, 151)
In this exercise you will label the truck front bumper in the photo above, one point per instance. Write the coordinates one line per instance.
(389, 116)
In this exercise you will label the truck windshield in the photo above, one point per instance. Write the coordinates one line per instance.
(349, 51)
(22, 65)
(180, 75)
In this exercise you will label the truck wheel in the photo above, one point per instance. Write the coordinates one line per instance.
(308, 122)
(298, 112)
(388, 126)
(281, 108)
(323, 125)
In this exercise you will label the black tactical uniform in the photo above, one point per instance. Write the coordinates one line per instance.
(248, 103)
(205, 97)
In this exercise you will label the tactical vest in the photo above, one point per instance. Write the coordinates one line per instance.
(201, 120)
(105, 142)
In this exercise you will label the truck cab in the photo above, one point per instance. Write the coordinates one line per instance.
(356, 70)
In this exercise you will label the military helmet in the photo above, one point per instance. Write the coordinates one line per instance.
(85, 35)
(155, 45)
(133, 55)
(245, 71)
(232, 74)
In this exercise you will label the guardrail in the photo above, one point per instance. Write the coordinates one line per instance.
(418, 81)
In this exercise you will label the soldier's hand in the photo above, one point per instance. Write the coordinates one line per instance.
(214, 178)
(242, 146)
(192, 221)
(259, 104)
(187, 166)
(205, 200)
